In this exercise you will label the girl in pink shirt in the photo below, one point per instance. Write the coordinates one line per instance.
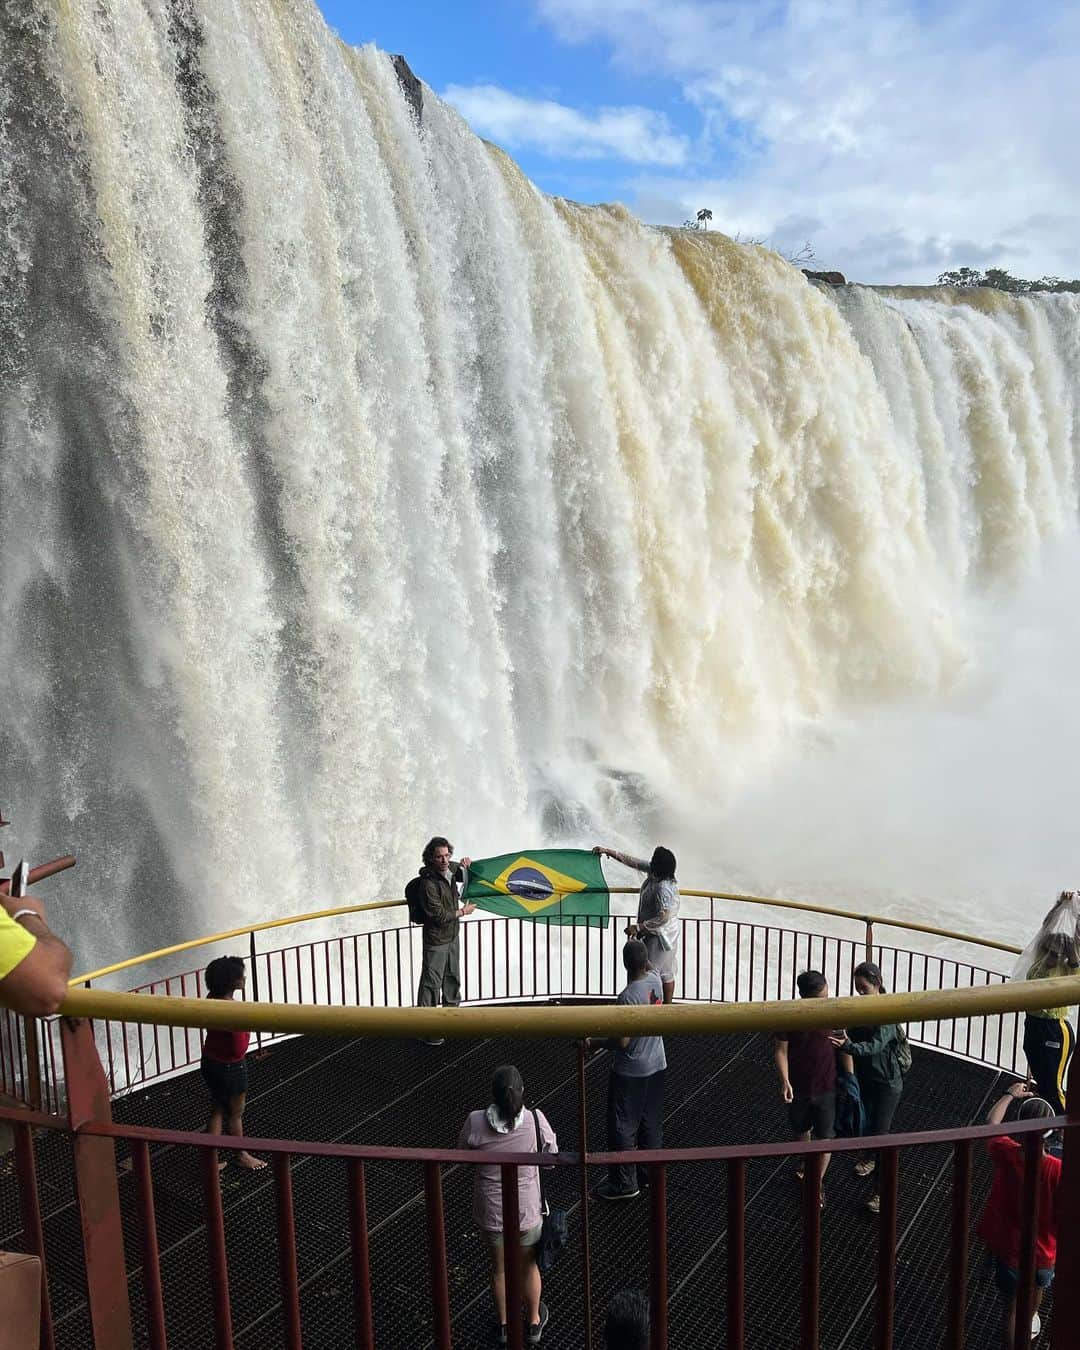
(507, 1127)
(223, 1068)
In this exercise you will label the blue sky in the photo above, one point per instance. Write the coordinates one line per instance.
(900, 138)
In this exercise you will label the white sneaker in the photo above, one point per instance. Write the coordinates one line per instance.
(1036, 1327)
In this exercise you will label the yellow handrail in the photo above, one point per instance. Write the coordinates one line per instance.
(147, 957)
(227, 936)
(573, 1022)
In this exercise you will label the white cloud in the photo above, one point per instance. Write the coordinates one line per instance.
(919, 139)
(634, 135)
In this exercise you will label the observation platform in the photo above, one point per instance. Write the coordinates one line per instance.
(393, 1093)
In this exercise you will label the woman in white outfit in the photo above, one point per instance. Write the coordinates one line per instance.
(657, 921)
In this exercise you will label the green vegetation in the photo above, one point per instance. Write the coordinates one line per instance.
(1000, 280)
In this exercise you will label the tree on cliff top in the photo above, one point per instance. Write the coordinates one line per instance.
(998, 279)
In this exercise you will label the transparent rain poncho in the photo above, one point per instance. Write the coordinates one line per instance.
(1055, 948)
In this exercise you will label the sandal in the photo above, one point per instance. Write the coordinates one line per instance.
(865, 1166)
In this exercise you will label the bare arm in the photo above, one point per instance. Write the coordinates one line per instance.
(38, 984)
(780, 1055)
(997, 1111)
(638, 864)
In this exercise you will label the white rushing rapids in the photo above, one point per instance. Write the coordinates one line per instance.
(351, 489)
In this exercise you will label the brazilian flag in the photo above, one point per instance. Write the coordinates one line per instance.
(559, 885)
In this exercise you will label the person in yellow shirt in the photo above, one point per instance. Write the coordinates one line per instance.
(34, 963)
(1048, 1035)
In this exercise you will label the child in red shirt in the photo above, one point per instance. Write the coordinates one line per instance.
(999, 1226)
(223, 1068)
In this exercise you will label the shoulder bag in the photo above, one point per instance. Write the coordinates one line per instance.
(553, 1232)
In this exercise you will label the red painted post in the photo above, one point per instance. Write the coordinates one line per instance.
(811, 1263)
(361, 1255)
(436, 1238)
(40, 872)
(96, 1189)
(1067, 1269)
(888, 1169)
(30, 1215)
(658, 1272)
(513, 1283)
(958, 1245)
(1029, 1220)
(215, 1244)
(148, 1239)
(253, 959)
(583, 1178)
(736, 1254)
(286, 1237)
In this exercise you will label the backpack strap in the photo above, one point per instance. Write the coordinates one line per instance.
(540, 1171)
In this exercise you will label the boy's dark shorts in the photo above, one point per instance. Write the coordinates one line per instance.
(1008, 1280)
(225, 1081)
(816, 1114)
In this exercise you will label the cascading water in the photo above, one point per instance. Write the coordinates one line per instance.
(351, 489)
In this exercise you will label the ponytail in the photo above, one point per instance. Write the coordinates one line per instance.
(508, 1093)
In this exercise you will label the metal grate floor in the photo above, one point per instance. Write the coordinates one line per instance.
(719, 1090)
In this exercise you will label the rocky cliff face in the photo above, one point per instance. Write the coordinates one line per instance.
(410, 85)
(830, 278)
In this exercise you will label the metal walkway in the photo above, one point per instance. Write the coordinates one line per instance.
(720, 1090)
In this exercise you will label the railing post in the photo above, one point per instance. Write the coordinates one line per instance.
(436, 1236)
(958, 1245)
(151, 1261)
(811, 1263)
(736, 1254)
(96, 1189)
(30, 1215)
(1067, 1268)
(216, 1251)
(869, 939)
(583, 1177)
(513, 1284)
(1029, 1220)
(888, 1167)
(252, 958)
(361, 1256)
(286, 1236)
(658, 1271)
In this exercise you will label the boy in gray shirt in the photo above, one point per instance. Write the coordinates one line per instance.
(636, 1083)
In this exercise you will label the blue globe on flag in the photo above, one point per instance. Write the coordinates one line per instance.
(530, 883)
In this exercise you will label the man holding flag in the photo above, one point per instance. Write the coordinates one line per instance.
(440, 973)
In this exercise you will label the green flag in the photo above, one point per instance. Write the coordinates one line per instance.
(559, 885)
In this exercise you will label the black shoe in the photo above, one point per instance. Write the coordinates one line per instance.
(501, 1335)
(533, 1333)
(606, 1191)
(433, 1040)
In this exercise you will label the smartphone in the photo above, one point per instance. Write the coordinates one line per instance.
(20, 878)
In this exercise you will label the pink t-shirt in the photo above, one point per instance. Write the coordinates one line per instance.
(487, 1183)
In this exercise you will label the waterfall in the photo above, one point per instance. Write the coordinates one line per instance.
(352, 490)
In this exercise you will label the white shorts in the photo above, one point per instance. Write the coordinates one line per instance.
(662, 959)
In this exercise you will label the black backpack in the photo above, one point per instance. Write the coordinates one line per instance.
(414, 898)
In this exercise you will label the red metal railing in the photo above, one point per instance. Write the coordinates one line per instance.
(94, 1139)
(507, 961)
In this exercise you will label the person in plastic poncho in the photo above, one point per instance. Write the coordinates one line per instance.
(657, 923)
(1048, 1035)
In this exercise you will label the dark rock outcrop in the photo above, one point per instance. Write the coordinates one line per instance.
(410, 85)
(830, 278)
